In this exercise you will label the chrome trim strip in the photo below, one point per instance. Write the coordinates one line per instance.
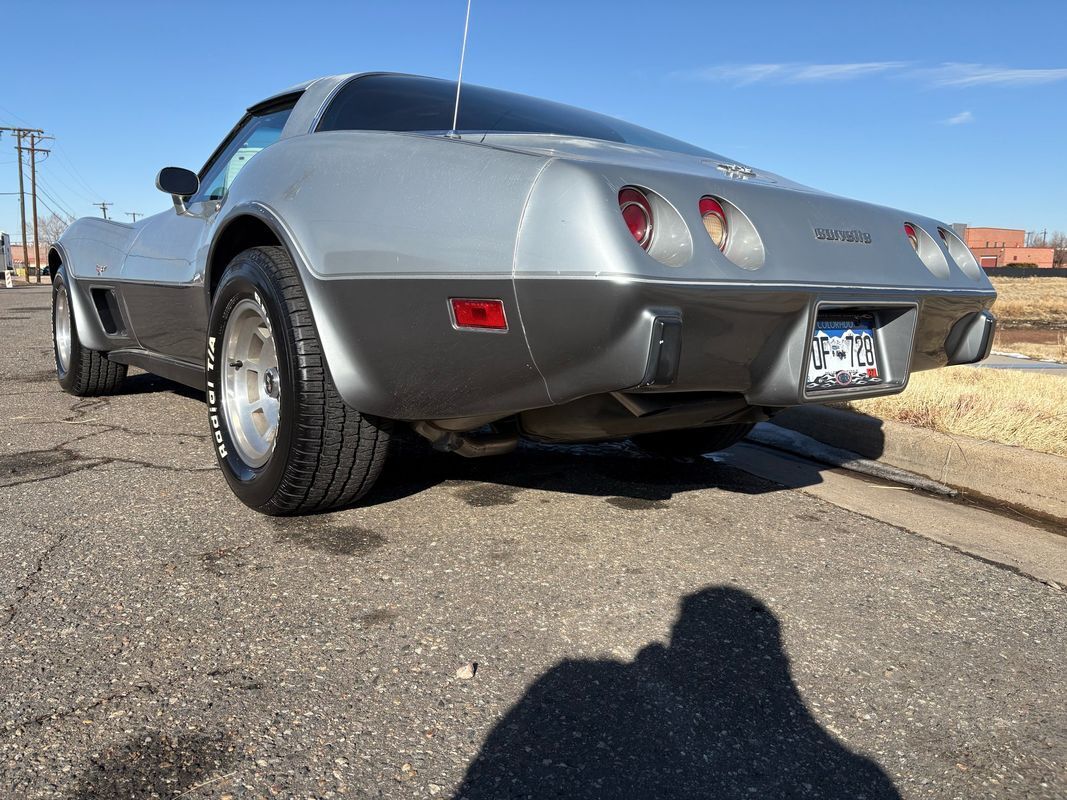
(625, 278)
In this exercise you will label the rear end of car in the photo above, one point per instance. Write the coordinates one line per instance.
(590, 278)
(711, 293)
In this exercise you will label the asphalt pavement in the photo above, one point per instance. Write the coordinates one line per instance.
(563, 622)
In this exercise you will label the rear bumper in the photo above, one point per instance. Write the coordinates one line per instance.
(393, 351)
(593, 336)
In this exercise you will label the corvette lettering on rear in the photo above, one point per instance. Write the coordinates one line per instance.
(837, 235)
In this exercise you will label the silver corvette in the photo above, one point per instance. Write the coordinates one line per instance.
(349, 260)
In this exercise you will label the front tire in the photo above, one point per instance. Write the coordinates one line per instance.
(284, 438)
(81, 372)
(692, 442)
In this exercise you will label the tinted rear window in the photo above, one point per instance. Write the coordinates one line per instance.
(408, 103)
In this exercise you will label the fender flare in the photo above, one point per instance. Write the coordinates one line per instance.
(344, 359)
(272, 220)
(90, 334)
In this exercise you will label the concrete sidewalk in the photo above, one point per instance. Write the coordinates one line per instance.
(1034, 483)
(1013, 362)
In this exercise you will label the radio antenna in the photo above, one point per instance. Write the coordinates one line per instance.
(459, 82)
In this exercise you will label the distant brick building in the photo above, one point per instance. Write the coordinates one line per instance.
(21, 259)
(998, 247)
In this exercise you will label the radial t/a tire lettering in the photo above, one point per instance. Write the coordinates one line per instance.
(284, 438)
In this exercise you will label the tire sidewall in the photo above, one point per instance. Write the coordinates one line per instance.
(246, 279)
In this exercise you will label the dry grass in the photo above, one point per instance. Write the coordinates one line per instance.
(1031, 301)
(1011, 407)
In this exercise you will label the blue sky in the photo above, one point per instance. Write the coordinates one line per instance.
(953, 109)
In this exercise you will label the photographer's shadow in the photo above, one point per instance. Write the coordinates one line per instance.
(715, 714)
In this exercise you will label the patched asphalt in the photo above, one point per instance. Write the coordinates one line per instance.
(635, 627)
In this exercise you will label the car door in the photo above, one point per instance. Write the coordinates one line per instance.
(163, 274)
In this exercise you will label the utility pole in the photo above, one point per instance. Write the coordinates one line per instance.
(104, 207)
(22, 211)
(134, 214)
(19, 134)
(35, 139)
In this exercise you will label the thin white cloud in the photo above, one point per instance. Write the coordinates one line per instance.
(947, 76)
(745, 74)
(955, 75)
(842, 72)
(963, 118)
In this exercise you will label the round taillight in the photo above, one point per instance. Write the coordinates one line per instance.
(714, 218)
(637, 214)
(913, 236)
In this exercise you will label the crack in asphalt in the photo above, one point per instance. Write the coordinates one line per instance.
(61, 459)
(74, 463)
(23, 590)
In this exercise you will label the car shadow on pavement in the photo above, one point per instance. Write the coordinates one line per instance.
(154, 764)
(611, 470)
(147, 383)
(714, 714)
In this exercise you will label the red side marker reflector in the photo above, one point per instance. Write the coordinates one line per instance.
(479, 314)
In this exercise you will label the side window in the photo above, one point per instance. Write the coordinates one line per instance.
(255, 134)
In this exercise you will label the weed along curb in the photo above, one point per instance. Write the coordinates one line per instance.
(1034, 483)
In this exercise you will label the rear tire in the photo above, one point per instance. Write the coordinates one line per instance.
(285, 439)
(80, 371)
(692, 442)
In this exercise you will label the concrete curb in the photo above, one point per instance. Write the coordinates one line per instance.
(798, 444)
(1034, 483)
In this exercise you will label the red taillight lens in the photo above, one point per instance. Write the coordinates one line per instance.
(912, 234)
(479, 314)
(713, 216)
(637, 214)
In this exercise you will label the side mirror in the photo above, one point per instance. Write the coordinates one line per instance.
(179, 183)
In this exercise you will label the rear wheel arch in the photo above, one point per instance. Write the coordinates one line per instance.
(244, 232)
(254, 225)
(327, 454)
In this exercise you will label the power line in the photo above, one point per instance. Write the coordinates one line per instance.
(55, 195)
(55, 176)
(134, 214)
(66, 211)
(104, 207)
(12, 113)
(73, 170)
(36, 139)
(56, 213)
(20, 134)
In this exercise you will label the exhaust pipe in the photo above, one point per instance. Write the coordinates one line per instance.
(463, 444)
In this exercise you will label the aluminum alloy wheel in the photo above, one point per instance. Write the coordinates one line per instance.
(251, 383)
(61, 328)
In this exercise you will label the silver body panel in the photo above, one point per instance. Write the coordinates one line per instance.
(386, 227)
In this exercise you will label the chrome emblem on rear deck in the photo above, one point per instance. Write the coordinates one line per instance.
(736, 171)
(855, 235)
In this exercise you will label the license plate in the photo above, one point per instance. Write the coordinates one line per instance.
(843, 353)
